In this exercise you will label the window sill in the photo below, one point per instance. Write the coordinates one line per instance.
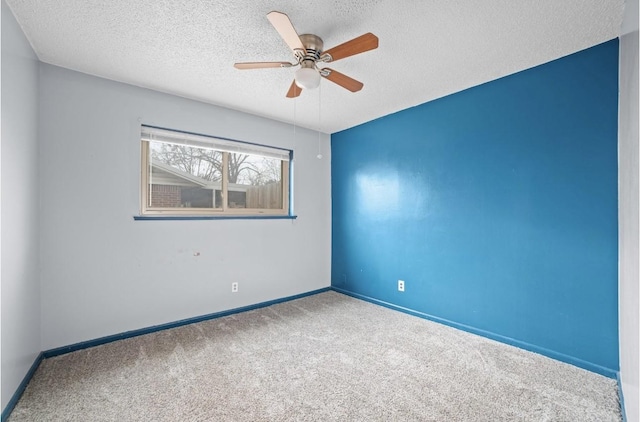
(214, 217)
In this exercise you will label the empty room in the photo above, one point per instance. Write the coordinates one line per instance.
(204, 218)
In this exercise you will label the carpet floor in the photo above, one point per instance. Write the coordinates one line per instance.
(326, 357)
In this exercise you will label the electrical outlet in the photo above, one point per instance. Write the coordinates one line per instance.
(234, 287)
(401, 285)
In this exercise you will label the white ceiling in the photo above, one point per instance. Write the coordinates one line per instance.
(428, 49)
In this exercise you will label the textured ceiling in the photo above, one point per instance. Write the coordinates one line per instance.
(428, 49)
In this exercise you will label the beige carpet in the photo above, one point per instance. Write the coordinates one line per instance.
(326, 357)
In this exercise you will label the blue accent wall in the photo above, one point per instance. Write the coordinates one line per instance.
(497, 205)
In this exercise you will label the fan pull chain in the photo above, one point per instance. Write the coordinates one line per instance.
(295, 101)
(319, 120)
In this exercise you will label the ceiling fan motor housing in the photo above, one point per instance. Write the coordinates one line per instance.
(313, 45)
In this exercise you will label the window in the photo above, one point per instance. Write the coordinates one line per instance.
(184, 174)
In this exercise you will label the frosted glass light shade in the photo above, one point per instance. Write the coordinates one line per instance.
(307, 78)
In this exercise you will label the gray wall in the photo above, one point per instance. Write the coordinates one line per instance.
(102, 272)
(628, 211)
(20, 283)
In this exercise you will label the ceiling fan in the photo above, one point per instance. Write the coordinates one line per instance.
(308, 52)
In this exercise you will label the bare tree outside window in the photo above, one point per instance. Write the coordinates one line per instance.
(203, 163)
(245, 169)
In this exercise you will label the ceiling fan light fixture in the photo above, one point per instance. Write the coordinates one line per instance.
(307, 78)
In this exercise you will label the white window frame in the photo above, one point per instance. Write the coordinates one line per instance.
(225, 146)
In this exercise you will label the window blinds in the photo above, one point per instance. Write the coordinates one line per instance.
(152, 134)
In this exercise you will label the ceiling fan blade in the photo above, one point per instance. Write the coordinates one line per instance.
(261, 65)
(357, 45)
(294, 90)
(283, 25)
(343, 80)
